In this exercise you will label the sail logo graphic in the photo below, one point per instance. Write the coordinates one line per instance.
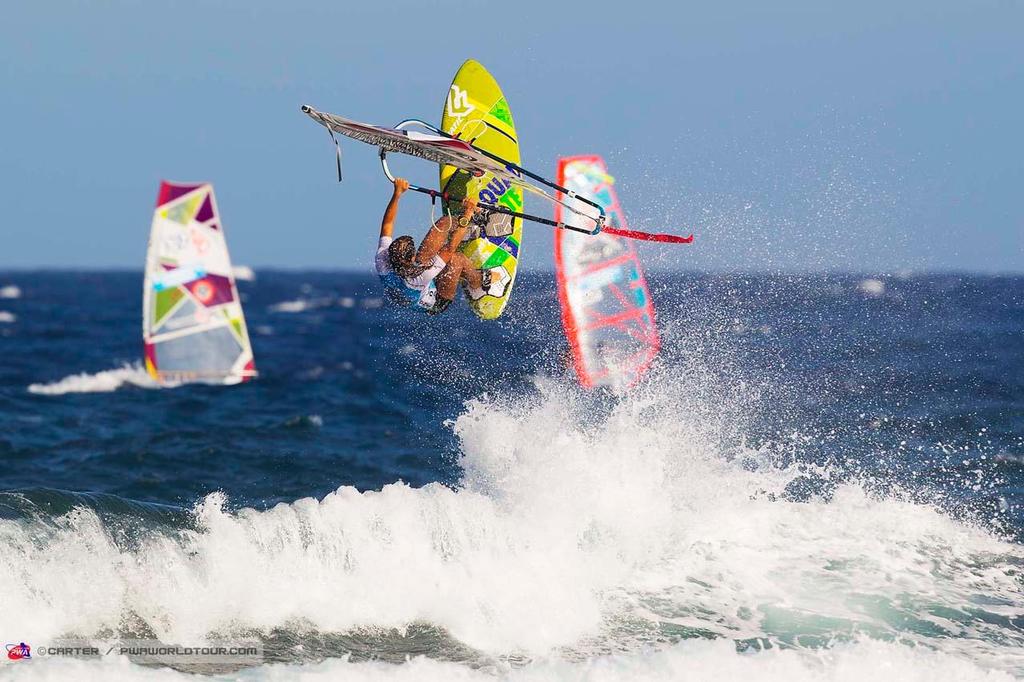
(19, 652)
(458, 107)
(204, 291)
(199, 241)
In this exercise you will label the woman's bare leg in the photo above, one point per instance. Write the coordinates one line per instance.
(470, 274)
(447, 282)
(459, 267)
(435, 240)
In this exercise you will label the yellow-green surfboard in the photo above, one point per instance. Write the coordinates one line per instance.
(475, 110)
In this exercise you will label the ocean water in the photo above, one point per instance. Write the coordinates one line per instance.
(821, 479)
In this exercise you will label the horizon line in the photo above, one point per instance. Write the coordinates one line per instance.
(278, 269)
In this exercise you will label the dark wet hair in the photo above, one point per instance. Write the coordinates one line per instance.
(402, 255)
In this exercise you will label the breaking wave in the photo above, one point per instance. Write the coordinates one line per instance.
(696, 660)
(586, 540)
(99, 382)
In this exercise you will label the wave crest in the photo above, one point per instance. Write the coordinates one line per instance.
(99, 382)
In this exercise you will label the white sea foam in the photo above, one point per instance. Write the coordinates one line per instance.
(299, 305)
(243, 273)
(871, 287)
(7, 317)
(692, 661)
(569, 538)
(100, 382)
(10, 291)
(296, 306)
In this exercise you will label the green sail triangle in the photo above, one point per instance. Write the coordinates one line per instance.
(186, 210)
(165, 301)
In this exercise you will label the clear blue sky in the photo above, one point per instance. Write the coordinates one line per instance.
(789, 135)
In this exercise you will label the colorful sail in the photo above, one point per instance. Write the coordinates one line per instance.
(192, 322)
(607, 311)
(505, 179)
(440, 149)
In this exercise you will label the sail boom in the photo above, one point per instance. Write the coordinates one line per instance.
(448, 150)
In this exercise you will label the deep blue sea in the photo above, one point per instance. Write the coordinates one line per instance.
(821, 478)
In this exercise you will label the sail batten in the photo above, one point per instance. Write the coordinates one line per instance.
(193, 326)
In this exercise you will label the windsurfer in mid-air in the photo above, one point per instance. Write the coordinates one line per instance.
(427, 277)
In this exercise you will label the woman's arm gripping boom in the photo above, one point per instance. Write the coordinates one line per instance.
(387, 225)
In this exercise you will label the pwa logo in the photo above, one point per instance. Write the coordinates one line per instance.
(20, 651)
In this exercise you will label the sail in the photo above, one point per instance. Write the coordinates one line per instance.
(607, 311)
(451, 153)
(437, 148)
(192, 322)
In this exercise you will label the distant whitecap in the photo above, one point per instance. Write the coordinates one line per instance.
(243, 273)
(871, 287)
